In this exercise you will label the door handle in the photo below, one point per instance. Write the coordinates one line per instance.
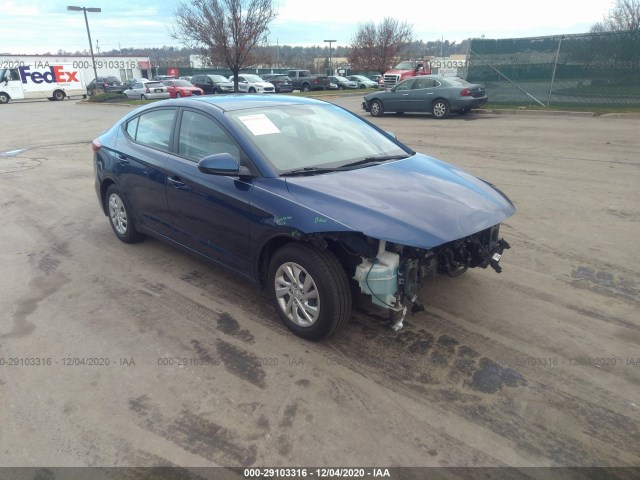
(405, 94)
(122, 158)
(175, 182)
(429, 93)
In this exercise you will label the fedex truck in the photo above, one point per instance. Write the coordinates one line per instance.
(44, 80)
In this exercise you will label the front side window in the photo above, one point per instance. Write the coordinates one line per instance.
(201, 136)
(405, 85)
(152, 129)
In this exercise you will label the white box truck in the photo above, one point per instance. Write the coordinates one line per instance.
(43, 80)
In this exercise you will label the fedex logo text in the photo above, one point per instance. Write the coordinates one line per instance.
(55, 74)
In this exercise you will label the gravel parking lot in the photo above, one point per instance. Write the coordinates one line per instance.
(141, 355)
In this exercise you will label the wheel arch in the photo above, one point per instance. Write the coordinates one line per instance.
(347, 247)
(104, 186)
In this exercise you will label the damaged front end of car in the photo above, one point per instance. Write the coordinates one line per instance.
(394, 277)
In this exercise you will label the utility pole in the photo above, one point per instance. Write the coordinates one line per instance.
(86, 21)
(330, 58)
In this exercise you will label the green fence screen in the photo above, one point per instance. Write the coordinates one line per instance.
(595, 69)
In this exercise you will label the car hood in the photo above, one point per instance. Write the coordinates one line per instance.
(419, 201)
(263, 84)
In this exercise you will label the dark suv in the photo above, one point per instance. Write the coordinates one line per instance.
(280, 81)
(212, 83)
(107, 84)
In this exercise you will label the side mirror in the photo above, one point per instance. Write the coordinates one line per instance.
(222, 164)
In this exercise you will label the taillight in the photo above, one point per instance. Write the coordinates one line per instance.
(465, 92)
(96, 145)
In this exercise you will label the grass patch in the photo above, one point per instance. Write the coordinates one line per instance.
(106, 97)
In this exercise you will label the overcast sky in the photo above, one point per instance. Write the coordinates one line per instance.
(32, 27)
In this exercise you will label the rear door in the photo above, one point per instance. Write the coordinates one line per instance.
(422, 94)
(140, 166)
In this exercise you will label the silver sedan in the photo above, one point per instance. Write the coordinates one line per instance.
(147, 90)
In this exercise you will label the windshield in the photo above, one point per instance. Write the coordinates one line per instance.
(312, 136)
(253, 78)
(219, 79)
(404, 66)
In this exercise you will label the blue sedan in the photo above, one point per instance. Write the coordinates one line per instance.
(300, 197)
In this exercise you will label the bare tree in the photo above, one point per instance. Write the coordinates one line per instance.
(376, 47)
(624, 16)
(226, 31)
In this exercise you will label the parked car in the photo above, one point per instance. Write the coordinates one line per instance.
(147, 90)
(249, 83)
(106, 84)
(282, 83)
(303, 80)
(160, 78)
(132, 81)
(343, 83)
(362, 81)
(186, 77)
(212, 83)
(300, 197)
(433, 94)
(181, 88)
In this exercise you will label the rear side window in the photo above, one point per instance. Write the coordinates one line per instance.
(152, 129)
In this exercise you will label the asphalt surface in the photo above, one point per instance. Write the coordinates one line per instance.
(141, 355)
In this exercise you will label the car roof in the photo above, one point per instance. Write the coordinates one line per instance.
(229, 103)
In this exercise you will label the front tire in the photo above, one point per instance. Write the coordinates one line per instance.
(376, 109)
(440, 109)
(178, 94)
(58, 95)
(4, 98)
(310, 290)
(252, 90)
(306, 87)
(121, 216)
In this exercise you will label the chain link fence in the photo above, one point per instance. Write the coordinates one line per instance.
(594, 69)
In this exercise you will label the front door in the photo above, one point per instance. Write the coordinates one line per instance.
(211, 214)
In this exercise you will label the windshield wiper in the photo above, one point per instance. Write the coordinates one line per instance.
(349, 166)
(376, 160)
(310, 171)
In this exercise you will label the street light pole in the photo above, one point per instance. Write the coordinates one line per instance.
(86, 21)
(330, 59)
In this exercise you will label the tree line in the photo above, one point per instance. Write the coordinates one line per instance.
(233, 34)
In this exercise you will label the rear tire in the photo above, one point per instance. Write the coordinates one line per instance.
(376, 109)
(121, 216)
(310, 290)
(440, 109)
(305, 88)
(143, 97)
(58, 95)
